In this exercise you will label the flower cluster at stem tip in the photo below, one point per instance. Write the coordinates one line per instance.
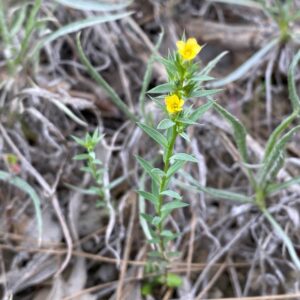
(187, 50)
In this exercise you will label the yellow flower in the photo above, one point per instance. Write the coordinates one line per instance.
(174, 104)
(189, 49)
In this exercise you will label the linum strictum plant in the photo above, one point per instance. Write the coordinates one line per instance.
(92, 165)
(264, 182)
(184, 84)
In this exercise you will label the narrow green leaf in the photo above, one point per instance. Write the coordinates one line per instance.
(68, 112)
(156, 221)
(79, 141)
(155, 237)
(25, 187)
(158, 172)
(83, 156)
(154, 254)
(101, 81)
(224, 194)
(78, 25)
(286, 240)
(5, 35)
(175, 167)
(97, 162)
(30, 26)
(154, 188)
(150, 197)
(173, 205)
(96, 137)
(93, 5)
(19, 20)
(167, 233)
(92, 155)
(200, 111)
(293, 95)
(173, 280)
(154, 134)
(165, 124)
(206, 70)
(274, 156)
(174, 254)
(164, 88)
(185, 136)
(216, 193)
(117, 181)
(204, 93)
(146, 217)
(186, 121)
(276, 133)
(184, 157)
(201, 78)
(87, 170)
(239, 130)
(277, 187)
(171, 194)
(153, 241)
(146, 289)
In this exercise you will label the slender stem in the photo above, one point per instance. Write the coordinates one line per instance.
(92, 166)
(164, 183)
(260, 198)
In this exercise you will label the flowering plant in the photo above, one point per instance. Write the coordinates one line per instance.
(184, 84)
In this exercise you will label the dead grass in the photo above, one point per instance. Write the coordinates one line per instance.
(228, 252)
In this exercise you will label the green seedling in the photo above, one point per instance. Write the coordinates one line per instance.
(263, 182)
(92, 165)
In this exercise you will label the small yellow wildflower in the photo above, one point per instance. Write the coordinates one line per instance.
(174, 104)
(189, 49)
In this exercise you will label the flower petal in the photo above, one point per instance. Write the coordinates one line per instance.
(180, 45)
(181, 102)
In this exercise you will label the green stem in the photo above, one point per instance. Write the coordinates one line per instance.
(164, 183)
(260, 198)
(92, 166)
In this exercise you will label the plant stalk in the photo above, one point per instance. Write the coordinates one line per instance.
(163, 183)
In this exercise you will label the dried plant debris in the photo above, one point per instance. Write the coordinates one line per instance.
(74, 82)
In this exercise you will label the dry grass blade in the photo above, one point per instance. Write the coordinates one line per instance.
(50, 192)
(127, 249)
(53, 87)
(211, 282)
